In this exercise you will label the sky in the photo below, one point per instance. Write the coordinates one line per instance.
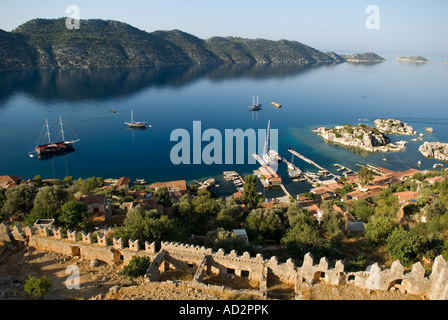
(416, 27)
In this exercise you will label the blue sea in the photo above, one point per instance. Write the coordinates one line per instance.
(171, 98)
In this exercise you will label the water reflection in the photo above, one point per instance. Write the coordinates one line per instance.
(104, 84)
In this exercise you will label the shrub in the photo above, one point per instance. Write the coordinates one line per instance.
(37, 287)
(136, 268)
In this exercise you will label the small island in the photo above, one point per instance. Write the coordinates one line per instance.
(435, 150)
(367, 57)
(392, 126)
(415, 59)
(361, 137)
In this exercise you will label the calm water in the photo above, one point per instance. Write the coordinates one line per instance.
(218, 96)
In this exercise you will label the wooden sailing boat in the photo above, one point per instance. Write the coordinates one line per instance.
(51, 148)
(135, 124)
(255, 106)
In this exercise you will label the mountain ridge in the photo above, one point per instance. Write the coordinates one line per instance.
(48, 44)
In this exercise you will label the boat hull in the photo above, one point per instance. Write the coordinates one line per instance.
(54, 148)
(140, 125)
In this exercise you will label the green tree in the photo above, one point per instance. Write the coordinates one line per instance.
(362, 209)
(263, 224)
(296, 215)
(162, 196)
(387, 204)
(333, 224)
(136, 268)
(365, 175)
(302, 239)
(224, 239)
(47, 204)
(444, 252)
(342, 192)
(230, 215)
(435, 209)
(89, 185)
(146, 225)
(403, 245)
(378, 230)
(37, 180)
(250, 195)
(19, 200)
(74, 214)
(37, 287)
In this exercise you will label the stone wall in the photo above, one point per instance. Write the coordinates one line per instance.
(201, 261)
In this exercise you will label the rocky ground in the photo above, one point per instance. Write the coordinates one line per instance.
(101, 282)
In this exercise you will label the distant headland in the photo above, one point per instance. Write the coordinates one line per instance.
(367, 57)
(48, 44)
(414, 59)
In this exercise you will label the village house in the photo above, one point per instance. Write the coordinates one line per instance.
(99, 206)
(434, 180)
(271, 178)
(406, 197)
(123, 182)
(176, 189)
(315, 212)
(10, 182)
(401, 175)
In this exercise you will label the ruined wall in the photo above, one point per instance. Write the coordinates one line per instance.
(203, 261)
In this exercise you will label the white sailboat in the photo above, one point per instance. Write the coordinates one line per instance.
(136, 124)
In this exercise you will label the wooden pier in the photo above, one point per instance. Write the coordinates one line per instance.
(322, 170)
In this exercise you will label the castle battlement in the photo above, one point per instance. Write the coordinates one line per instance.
(202, 261)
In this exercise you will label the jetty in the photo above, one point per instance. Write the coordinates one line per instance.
(322, 170)
(343, 168)
(236, 178)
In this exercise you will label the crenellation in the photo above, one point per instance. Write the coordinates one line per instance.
(118, 243)
(57, 233)
(102, 241)
(150, 247)
(86, 237)
(72, 235)
(203, 260)
(134, 245)
(29, 231)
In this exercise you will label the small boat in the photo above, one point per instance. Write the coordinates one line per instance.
(276, 105)
(113, 111)
(135, 124)
(255, 106)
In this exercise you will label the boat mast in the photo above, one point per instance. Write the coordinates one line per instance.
(62, 129)
(132, 116)
(48, 131)
(266, 143)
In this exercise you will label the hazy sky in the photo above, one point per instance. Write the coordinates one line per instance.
(410, 26)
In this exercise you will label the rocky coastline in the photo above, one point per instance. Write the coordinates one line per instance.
(392, 126)
(360, 137)
(435, 150)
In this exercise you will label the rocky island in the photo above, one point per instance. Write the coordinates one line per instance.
(416, 59)
(392, 126)
(367, 57)
(360, 136)
(435, 150)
